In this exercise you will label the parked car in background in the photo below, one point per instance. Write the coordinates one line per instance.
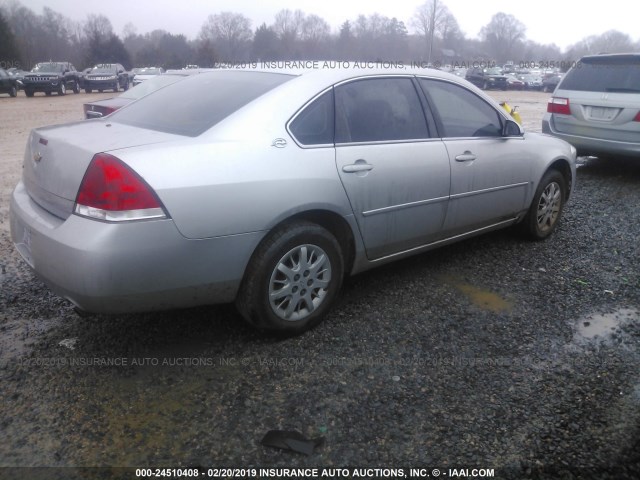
(50, 77)
(82, 74)
(102, 108)
(146, 73)
(267, 188)
(487, 78)
(596, 106)
(106, 76)
(8, 83)
(514, 83)
(550, 82)
(459, 72)
(532, 81)
(508, 68)
(18, 74)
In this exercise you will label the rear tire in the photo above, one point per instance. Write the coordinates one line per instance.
(87, 90)
(76, 87)
(13, 92)
(546, 208)
(28, 93)
(292, 279)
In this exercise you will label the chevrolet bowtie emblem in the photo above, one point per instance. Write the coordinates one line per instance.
(37, 157)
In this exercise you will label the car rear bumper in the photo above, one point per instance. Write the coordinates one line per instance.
(134, 266)
(590, 145)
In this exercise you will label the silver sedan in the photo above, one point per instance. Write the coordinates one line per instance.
(267, 188)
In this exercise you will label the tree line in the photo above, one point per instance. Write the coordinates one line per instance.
(27, 37)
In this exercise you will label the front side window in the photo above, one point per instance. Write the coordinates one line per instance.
(314, 125)
(379, 110)
(462, 113)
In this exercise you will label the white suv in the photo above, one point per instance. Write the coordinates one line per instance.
(596, 106)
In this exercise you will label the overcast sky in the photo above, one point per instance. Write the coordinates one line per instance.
(548, 21)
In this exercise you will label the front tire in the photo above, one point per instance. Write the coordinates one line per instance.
(292, 279)
(28, 93)
(76, 87)
(547, 205)
(62, 90)
(13, 92)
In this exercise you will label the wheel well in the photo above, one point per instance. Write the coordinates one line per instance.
(335, 224)
(562, 166)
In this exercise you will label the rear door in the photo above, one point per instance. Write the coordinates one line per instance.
(395, 174)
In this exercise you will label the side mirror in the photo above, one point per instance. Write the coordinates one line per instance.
(511, 129)
(120, 71)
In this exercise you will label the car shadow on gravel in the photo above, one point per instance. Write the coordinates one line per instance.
(626, 170)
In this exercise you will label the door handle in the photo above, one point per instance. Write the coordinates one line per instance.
(466, 157)
(357, 167)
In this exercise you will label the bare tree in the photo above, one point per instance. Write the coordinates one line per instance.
(55, 34)
(129, 30)
(429, 20)
(98, 27)
(230, 31)
(9, 52)
(502, 34)
(24, 24)
(611, 41)
(288, 27)
(314, 32)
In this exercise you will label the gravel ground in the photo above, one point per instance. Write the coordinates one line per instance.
(493, 353)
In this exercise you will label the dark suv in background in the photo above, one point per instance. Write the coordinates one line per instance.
(487, 78)
(596, 106)
(49, 77)
(106, 76)
(8, 84)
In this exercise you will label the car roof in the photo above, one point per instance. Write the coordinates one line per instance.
(326, 72)
(612, 56)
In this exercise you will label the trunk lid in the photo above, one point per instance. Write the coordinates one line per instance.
(56, 158)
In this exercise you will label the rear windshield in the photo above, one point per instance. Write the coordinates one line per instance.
(151, 85)
(605, 74)
(192, 106)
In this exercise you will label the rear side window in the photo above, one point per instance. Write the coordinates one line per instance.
(379, 110)
(462, 113)
(314, 125)
(192, 106)
(605, 74)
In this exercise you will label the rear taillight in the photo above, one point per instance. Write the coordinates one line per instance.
(637, 117)
(559, 105)
(111, 191)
